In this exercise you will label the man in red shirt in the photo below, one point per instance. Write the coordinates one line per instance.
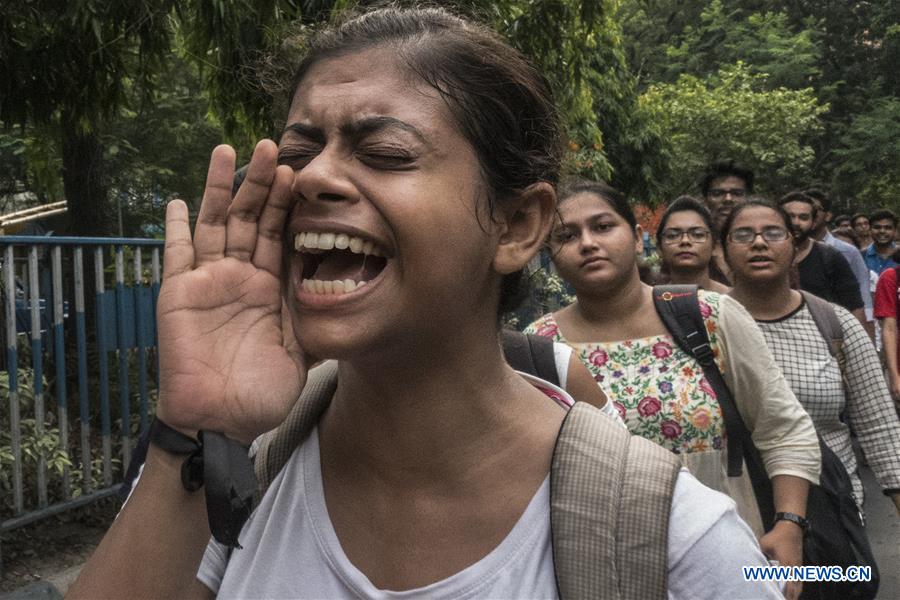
(887, 305)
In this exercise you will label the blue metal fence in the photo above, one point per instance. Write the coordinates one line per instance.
(43, 293)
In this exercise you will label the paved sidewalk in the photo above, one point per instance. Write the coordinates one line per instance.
(51, 588)
(883, 527)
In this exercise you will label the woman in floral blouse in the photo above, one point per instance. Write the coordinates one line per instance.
(658, 389)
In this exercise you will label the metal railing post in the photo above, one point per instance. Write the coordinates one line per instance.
(105, 428)
(37, 365)
(12, 368)
(84, 406)
(60, 360)
(122, 355)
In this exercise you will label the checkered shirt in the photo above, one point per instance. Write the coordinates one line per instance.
(815, 378)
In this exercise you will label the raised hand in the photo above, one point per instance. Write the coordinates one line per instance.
(224, 364)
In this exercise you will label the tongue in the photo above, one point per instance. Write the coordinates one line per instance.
(340, 265)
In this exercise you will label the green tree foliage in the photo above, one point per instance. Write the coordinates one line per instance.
(847, 52)
(159, 149)
(734, 116)
(69, 65)
(868, 158)
(578, 44)
(119, 122)
(29, 167)
(764, 41)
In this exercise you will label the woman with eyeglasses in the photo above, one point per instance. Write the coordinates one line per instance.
(685, 242)
(658, 389)
(760, 251)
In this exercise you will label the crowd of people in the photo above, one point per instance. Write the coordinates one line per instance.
(418, 174)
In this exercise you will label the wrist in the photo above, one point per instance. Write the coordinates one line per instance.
(788, 521)
(172, 421)
(180, 446)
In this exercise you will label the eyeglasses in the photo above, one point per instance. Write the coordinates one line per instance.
(722, 192)
(747, 235)
(674, 236)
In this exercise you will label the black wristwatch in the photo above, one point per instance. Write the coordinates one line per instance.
(221, 466)
(801, 522)
(175, 442)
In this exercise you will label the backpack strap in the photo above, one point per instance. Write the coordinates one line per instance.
(610, 501)
(828, 324)
(679, 308)
(275, 447)
(530, 354)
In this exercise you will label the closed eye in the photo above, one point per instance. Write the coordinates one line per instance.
(397, 161)
(296, 159)
(389, 156)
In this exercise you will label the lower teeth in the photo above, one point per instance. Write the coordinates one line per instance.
(318, 286)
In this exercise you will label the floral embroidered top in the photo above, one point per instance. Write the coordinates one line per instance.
(662, 395)
(658, 389)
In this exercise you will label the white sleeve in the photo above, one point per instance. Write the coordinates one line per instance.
(212, 567)
(562, 353)
(708, 545)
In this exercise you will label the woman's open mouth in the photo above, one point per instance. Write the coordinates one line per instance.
(337, 263)
(760, 261)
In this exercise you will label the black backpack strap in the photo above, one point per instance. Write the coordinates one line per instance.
(530, 354)
(678, 307)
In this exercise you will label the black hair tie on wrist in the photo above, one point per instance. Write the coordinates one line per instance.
(223, 467)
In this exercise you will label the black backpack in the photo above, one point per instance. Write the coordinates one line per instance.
(530, 354)
(836, 534)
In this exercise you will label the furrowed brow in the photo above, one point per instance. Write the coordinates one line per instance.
(307, 131)
(360, 129)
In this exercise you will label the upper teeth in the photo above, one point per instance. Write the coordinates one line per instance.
(329, 241)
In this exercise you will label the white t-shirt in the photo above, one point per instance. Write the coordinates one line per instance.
(290, 549)
(561, 355)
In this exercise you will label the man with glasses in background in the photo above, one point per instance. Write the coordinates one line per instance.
(723, 186)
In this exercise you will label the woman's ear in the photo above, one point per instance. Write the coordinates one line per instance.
(639, 240)
(524, 226)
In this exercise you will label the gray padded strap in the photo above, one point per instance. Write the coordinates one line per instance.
(610, 498)
(277, 446)
(825, 318)
(828, 324)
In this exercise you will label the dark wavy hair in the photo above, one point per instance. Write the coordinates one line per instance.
(602, 190)
(883, 213)
(798, 196)
(501, 103)
(720, 170)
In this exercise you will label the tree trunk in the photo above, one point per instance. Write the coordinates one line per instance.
(90, 213)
